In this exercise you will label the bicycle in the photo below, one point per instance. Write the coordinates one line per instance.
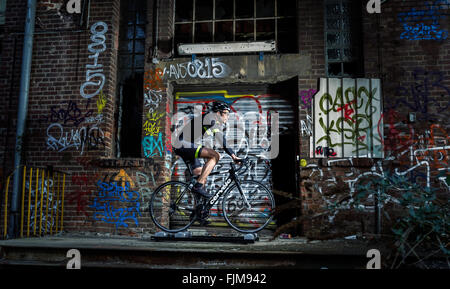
(174, 207)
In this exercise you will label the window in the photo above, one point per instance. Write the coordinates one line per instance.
(2, 11)
(207, 21)
(343, 38)
(130, 77)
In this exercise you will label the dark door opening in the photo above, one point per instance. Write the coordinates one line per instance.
(284, 166)
(130, 122)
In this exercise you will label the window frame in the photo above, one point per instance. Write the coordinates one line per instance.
(233, 19)
(355, 46)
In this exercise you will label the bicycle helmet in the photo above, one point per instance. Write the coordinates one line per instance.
(219, 106)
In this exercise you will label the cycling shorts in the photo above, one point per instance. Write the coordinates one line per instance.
(190, 153)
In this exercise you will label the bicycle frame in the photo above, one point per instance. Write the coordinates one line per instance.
(232, 178)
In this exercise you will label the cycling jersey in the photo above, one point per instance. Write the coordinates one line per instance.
(187, 142)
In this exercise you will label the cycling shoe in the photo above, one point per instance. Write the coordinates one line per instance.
(199, 189)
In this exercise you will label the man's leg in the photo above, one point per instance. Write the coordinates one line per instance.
(213, 158)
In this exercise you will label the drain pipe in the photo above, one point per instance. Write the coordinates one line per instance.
(22, 114)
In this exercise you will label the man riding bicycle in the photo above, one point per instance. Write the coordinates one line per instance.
(212, 124)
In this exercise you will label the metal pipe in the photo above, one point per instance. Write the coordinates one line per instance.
(22, 111)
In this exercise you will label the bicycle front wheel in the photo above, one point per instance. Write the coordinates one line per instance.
(252, 215)
(172, 207)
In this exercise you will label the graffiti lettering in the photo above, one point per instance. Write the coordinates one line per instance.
(326, 151)
(98, 46)
(418, 30)
(307, 96)
(153, 146)
(109, 194)
(90, 138)
(71, 115)
(209, 68)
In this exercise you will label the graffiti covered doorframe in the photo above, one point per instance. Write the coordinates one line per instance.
(249, 130)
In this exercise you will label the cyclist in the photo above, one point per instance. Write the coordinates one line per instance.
(212, 124)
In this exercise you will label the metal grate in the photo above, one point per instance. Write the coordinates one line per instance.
(42, 202)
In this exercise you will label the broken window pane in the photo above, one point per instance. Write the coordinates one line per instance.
(352, 68)
(224, 31)
(203, 32)
(244, 9)
(224, 9)
(183, 10)
(244, 30)
(183, 33)
(333, 39)
(265, 8)
(203, 10)
(334, 69)
(265, 29)
(334, 54)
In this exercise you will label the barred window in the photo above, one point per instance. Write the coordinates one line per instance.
(215, 21)
(133, 20)
(343, 49)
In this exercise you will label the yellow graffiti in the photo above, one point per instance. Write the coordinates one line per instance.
(152, 125)
(224, 92)
(101, 102)
(154, 116)
(152, 128)
(123, 177)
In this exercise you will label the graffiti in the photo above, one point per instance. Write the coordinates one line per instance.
(152, 125)
(143, 183)
(101, 102)
(153, 79)
(79, 196)
(43, 198)
(153, 145)
(422, 95)
(307, 96)
(209, 68)
(306, 127)
(122, 178)
(71, 115)
(415, 28)
(84, 138)
(349, 118)
(152, 99)
(96, 120)
(326, 151)
(97, 46)
(110, 195)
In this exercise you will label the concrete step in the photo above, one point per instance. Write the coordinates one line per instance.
(145, 253)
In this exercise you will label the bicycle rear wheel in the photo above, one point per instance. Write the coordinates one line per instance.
(172, 207)
(245, 219)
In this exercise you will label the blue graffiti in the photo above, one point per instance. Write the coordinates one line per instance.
(414, 23)
(153, 146)
(417, 95)
(111, 194)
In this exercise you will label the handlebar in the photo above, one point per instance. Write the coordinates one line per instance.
(243, 162)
